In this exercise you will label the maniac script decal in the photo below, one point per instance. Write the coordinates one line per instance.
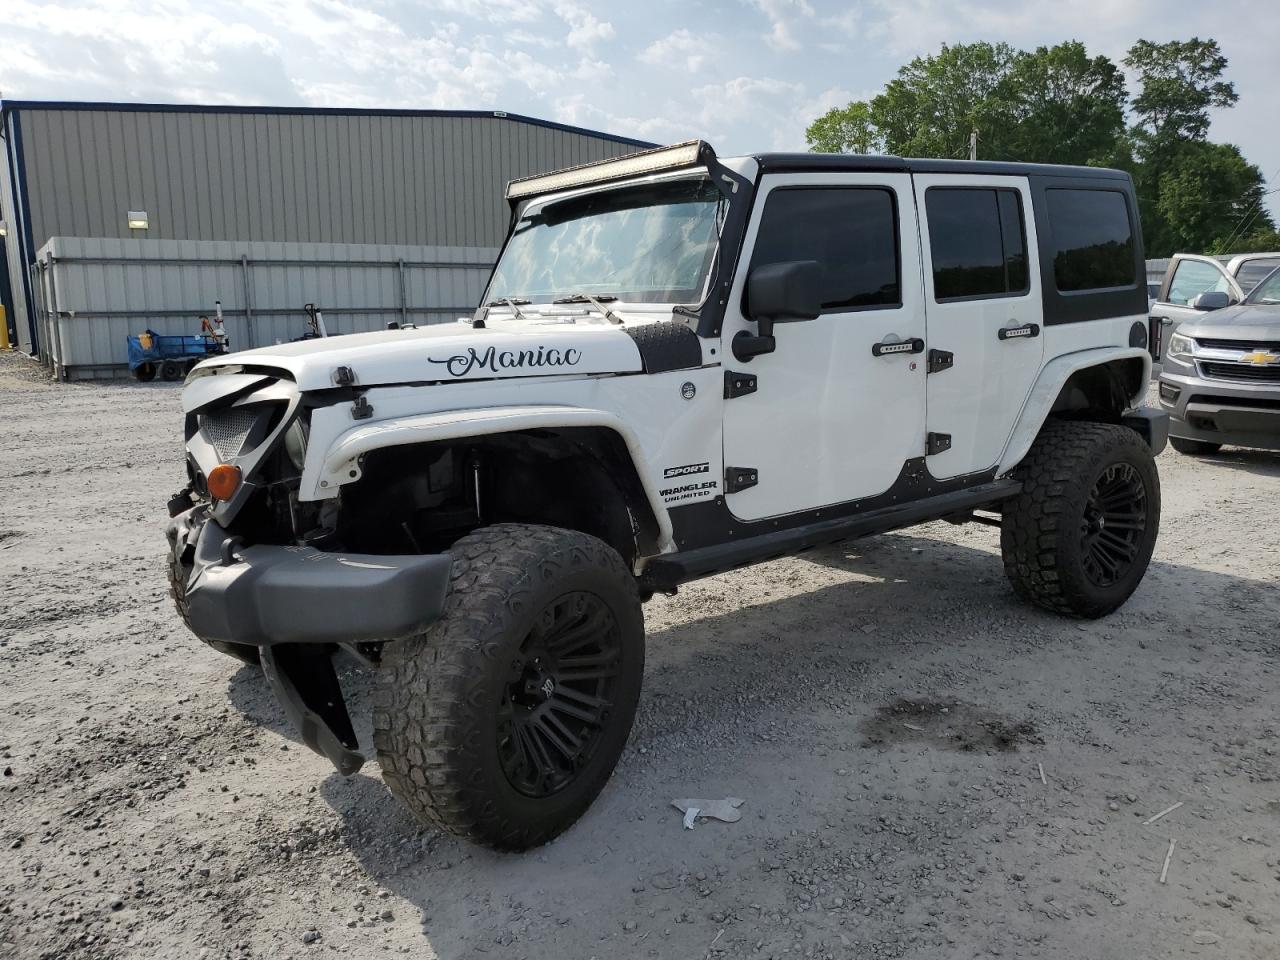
(494, 360)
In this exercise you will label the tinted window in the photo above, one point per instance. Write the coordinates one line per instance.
(851, 232)
(1194, 277)
(978, 242)
(1092, 241)
(1252, 272)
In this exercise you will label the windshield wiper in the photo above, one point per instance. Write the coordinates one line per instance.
(515, 303)
(597, 302)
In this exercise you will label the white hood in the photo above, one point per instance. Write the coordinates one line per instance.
(450, 351)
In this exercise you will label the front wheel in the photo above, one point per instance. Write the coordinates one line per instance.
(504, 719)
(1078, 538)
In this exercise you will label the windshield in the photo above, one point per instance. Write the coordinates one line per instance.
(651, 243)
(1268, 291)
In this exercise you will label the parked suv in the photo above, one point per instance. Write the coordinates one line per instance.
(1188, 275)
(1221, 376)
(683, 364)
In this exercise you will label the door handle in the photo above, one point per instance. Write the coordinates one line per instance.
(1024, 332)
(887, 348)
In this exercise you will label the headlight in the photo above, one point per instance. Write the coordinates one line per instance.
(1180, 346)
(295, 443)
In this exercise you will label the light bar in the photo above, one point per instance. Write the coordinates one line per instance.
(632, 165)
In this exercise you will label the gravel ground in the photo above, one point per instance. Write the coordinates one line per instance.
(884, 708)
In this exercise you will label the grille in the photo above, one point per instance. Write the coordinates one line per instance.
(1263, 403)
(1241, 372)
(1249, 345)
(228, 429)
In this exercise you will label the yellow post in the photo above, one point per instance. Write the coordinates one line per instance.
(4, 329)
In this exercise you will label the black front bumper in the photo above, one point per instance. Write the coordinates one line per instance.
(294, 603)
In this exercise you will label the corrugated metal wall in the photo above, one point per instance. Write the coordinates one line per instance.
(94, 292)
(253, 174)
(13, 265)
(305, 177)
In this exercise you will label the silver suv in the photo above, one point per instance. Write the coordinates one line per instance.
(1221, 377)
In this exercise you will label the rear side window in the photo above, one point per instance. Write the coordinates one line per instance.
(1194, 277)
(978, 242)
(1092, 239)
(852, 232)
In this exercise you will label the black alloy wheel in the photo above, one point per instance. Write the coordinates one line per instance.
(1114, 523)
(558, 694)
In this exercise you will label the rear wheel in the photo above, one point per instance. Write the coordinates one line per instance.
(1194, 448)
(503, 720)
(171, 370)
(145, 372)
(1079, 537)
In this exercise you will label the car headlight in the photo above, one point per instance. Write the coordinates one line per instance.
(1180, 346)
(295, 442)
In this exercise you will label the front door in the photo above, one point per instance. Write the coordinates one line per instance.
(835, 415)
(1189, 277)
(982, 290)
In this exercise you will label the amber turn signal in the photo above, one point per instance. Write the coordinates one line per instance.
(223, 481)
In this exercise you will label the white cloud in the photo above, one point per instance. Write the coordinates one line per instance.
(585, 28)
(785, 18)
(680, 49)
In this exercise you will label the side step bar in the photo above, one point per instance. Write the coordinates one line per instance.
(668, 571)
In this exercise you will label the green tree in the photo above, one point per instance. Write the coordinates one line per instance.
(845, 130)
(1051, 105)
(1195, 196)
(1205, 194)
(1178, 83)
(1064, 107)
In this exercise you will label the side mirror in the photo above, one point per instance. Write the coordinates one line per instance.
(1211, 300)
(785, 292)
(778, 293)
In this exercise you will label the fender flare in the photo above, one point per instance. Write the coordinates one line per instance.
(341, 461)
(1049, 384)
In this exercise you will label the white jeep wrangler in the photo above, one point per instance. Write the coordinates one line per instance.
(683, 364)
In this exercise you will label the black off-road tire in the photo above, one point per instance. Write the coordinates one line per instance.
(444, 697)
(1045, 529)
(171, 370)
(178, 574)
(145, 372)
(1194, 448)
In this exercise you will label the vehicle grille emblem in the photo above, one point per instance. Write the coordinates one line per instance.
(1261, 358)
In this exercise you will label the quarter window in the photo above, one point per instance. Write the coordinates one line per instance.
(1194, 277)
(852, 232)
(978, 242)
(1092, 239)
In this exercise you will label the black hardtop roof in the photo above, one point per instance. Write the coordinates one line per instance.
(842, 162)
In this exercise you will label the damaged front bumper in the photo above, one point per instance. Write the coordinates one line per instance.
(292, 603)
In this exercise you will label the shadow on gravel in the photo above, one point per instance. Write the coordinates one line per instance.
(1262, 463)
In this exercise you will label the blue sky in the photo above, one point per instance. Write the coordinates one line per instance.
(744, 74)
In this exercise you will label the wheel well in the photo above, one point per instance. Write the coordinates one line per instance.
(422, 497)
(1102, 392)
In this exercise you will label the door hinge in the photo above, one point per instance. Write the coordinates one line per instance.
(738, 384)
(940, 360)
(361, 409)
(937, 443)
(740, 478)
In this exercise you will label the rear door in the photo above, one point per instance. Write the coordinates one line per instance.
(982, 297)
(1188, 277)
